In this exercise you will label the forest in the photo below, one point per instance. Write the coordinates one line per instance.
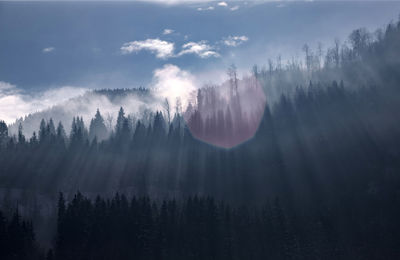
(298, 161)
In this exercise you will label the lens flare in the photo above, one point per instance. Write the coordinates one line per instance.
(228, 115)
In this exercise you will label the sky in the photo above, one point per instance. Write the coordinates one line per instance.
(45, 46)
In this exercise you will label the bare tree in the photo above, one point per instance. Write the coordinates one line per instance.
(320, 54)
(255, 72)
(178, 106)
(307, 52)
(270, 67)
(167, 108)
(232, 74)
(336, 56)
(279, 63)
(109, 120)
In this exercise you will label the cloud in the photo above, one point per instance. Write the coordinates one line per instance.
(162, 49)
(176, 2)
(220, 3)
(171, 82)
(14, 103)
(205, 8)
(48, 49)
(201, 48)
(234, 41)
(236, 7)
(167, 31)
(7, 88)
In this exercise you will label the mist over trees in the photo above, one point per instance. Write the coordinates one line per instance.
(317, 166)
(138, 101)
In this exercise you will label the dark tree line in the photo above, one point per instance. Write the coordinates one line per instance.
(197, 228)
(194, 228)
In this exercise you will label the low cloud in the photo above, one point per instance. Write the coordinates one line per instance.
(48, 49)
(7, 89)
(236, 7)
(14, 103)
(222, 4)
(201, 49)
(234, 41)
(171, 82)
(162, 49)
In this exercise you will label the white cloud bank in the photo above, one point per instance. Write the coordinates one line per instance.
(48, 49)
(162, 49)
(14, 103)
(222, 4)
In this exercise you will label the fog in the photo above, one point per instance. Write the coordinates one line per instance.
(62, 104)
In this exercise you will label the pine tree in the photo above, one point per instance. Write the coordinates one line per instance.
(33, 141)
(21, 137)
(3, 134)
(97, 128)
(51, 128)
(43, 134)
(120, 121)
(61, 135)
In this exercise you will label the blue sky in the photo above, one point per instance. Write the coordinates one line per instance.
(51, 44)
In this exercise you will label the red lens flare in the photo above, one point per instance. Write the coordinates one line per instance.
(228, 115)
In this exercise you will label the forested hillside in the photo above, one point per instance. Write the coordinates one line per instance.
(318, 170)
(139, 100)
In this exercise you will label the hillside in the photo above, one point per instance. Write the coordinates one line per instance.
(295, 161)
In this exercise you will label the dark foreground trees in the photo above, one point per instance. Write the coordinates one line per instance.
(17, 239)
(202, 228)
